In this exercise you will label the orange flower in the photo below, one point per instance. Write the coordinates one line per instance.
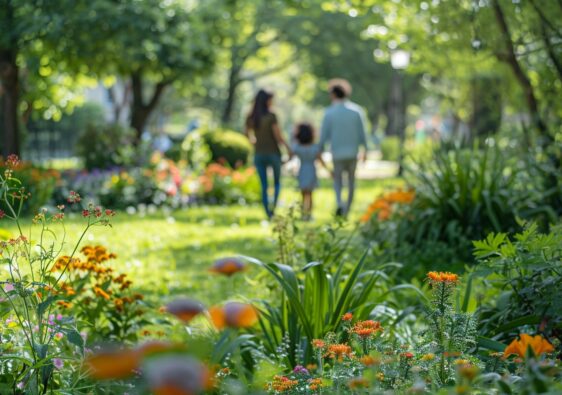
(366, 329)
(282, 383)
(228, 266)
(112, 365)
(100, 292)
(537, 343)
(358, 382)
(234, 315)
(339, 350)
(443, 277)
(185, 309)
(315, 384)
(367, 360)
(347, 317)
(318, 343)
(177, 375)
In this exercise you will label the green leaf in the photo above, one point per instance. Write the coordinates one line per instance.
(74, 337)
(490, 344)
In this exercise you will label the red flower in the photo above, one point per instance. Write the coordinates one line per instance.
(74, 197)
(2, 214)
(85, 213)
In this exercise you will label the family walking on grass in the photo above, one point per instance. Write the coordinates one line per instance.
(342, 130)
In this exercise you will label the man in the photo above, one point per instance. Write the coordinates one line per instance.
(344, 130)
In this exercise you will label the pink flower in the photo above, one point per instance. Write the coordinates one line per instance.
(2, 214)
(58, 363)
(9, 287)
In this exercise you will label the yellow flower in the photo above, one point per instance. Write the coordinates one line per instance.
(537, 343)
(428, 357)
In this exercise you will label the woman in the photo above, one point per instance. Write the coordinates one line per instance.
(263, 131)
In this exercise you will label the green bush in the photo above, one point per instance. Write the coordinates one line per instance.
(460, 196)
(106, 146)
(524, 286)
(390, 148)
(39, 183)
(218, 145)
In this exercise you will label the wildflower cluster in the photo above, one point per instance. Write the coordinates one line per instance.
(383, 206)
(98, 295)
(220, 183)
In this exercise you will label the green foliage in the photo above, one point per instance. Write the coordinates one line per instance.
(224, 146)
(523, 278)
(390, 148)
(315, 296)
(106, 146)
(35, 339)
(38, 183)
(460, 196)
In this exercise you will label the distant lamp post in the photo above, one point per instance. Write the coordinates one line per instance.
(399, 60)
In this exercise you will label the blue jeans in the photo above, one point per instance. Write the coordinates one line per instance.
(263, 162)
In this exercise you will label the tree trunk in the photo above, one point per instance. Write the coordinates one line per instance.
(233, 82)
(511, 59)
(140, 111)
(9, 75)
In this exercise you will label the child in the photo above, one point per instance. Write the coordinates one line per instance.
(307, 152)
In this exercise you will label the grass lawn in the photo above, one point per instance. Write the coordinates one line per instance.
(168, 253)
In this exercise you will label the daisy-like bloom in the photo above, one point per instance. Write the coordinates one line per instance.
(112, 365)
(228, 266)
(318, 343)
(367, 360)
(366, 329)
(537, 343)
(315, 384)
(339, 350)
(358, 382)
(234, 315)
(177, 375)
(153, 347)
(283, 383)
(442, 277)
(428, 357)
(347, 317)
(185, 309)
(100, 292)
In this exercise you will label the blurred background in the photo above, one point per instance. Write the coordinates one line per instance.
(74, 72)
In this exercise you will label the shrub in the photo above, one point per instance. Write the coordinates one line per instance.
(460, 196)
(222, 185)
(523, 274)
(39, 185)
(106, 146)
(224, 146)
(390, 148)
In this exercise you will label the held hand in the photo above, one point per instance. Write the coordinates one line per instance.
(363, 157)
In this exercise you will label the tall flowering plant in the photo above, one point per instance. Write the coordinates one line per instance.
(450, 333)
(35, 338)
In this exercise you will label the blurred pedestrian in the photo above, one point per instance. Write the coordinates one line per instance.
(262, 128)
(308, 153)
(343, 128)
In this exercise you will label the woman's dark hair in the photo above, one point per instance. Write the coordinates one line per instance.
(338, 91)
(305, 133)
(260, 108)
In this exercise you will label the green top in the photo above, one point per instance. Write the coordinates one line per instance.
(343, 129)
(265, 138)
